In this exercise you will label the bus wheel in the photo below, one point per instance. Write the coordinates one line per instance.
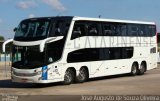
(134, 69)
(142, 69)
(82, 76)
(68, 77)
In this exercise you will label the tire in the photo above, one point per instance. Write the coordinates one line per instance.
(142, 69)
(68, 77)
(82, 76)
(134, 70)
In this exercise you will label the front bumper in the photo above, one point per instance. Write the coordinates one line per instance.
(30, 76)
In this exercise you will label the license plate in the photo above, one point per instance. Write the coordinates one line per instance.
(24, 80)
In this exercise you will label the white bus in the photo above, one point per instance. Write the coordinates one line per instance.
(73, 49)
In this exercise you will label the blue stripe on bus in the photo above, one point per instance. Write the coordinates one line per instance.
(44, 73)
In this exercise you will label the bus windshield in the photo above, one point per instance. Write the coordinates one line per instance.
(41, 28)
(27, 57)
(32, 28)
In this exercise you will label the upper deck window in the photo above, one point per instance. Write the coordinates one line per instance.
(60, 27)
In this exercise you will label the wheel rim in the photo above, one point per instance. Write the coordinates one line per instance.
(68, 77)
(142, 69)
(82, 74)
(134, 69)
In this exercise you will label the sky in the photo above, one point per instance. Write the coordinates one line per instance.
(13, 11)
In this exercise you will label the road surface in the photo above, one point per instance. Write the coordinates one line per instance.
(147, 84)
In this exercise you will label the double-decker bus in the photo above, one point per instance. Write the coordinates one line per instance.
(73, 49)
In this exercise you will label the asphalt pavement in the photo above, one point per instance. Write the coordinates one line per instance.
(147, 84)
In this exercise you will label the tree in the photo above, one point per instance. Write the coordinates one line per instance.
(1, 38)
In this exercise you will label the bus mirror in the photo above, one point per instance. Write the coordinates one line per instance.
(5, 43)
(15, 29)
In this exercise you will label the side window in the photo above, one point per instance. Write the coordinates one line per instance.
(142, 30)
(83, 55)
(79, 30)
(104, 54)
(151, 29)
(109, 29)
(115, 53)
(123, 30)
(42, 28)
(127, 52)
(93, 29)
(133, 30)
(85, 28)
(97, 54)
(114, 29)
(59, 28)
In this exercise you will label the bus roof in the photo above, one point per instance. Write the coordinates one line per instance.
(97, 19)
(51, 17)
(112, 20)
